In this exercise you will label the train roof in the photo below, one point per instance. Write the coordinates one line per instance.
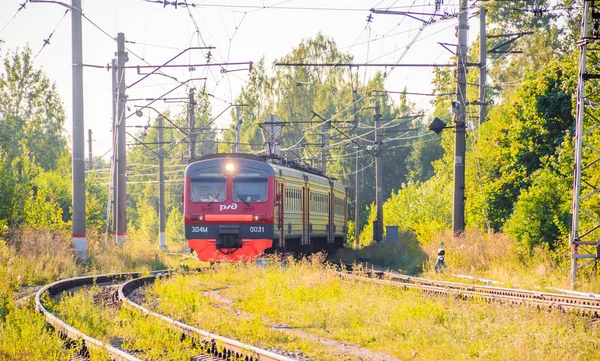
(272, 166)
(219, 162)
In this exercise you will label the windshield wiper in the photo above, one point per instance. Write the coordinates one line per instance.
(214, 198)
(240, 197)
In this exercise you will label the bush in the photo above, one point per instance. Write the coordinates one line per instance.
(405, 255)
(542, 213)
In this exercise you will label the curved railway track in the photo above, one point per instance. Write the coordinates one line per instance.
(587, 306)
(215, 347)
(221, 348)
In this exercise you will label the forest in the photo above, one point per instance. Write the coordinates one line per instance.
(519, 163)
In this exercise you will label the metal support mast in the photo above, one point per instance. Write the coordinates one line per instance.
(90, 161)
(482, 65)
(585, 225)
(238, 125)
(459, 108)
(378, 224)
(115, 95)
(324, 144)
(356, 205)
(121, 220)
(78, 162)
(161, 186)
(193, 134)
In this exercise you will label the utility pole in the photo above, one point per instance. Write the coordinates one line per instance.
(121, 220)
(482, 64)
(115, 94)
(193, 134)
(324, 138)
(238, 123)
(356, 206)
(378, 224)
(161, 185)
(90, 162)
(585, 225)
(459, 109)
(78, 163)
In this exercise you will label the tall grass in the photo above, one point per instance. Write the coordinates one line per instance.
(405, 255)
(33, 258)
(131, 331)
(497, 257)
(309, 298)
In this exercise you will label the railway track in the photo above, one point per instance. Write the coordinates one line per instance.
(215, 347)
(586, 306)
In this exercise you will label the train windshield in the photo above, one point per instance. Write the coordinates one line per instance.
(208, 185)
(250, 185)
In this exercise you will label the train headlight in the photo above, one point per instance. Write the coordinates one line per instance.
(229, 167)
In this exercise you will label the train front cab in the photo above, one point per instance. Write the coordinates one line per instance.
(228, 208)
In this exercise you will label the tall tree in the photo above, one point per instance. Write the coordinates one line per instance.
(30, 111)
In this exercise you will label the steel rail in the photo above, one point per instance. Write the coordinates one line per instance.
(218, 346)
(587, 306)
(88, 342)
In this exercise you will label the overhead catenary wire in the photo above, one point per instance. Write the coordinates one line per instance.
(256, 7)
(47, 40)
(21, 7)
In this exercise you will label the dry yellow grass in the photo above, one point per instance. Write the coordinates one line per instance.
(40, 257)
(403, 324)
(497, 257)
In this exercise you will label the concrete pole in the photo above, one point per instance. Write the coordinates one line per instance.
(78, 164)
(482, 64)
(192, 120)
(238, 124)
(121, 221)
(90, 161)
(161, 186)
(378, 226)
(574, 235)
(356, 206)
(115, 94)
(458, 221)
(323, 140)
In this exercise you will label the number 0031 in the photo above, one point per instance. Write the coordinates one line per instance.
(257, 229)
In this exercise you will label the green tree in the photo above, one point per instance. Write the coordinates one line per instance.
(31, 112)
(521, 133)
(175, 230)
(42, 211)
(542, 213)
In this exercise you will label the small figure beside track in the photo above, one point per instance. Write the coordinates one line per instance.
(440, 264)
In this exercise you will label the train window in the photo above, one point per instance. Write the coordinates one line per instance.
(292, 200)
(250, 185)
(339, 206)
(208, 185)
(318, 203)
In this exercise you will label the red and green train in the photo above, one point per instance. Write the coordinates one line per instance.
(237, 207)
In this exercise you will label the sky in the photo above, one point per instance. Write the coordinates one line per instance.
(240, 31)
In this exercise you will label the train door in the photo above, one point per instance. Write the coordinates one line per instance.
(331, 216)
(280, 220)
(305, 216)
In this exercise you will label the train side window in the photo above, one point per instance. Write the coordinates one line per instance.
(250, 185)
(207, 185)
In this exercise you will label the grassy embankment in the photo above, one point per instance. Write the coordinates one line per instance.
(245, 301)
(38, 258)
(131, 331)
(479, 255)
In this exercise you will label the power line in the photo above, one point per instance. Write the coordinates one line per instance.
(47, 41)
(21, 7)
(253, 7)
